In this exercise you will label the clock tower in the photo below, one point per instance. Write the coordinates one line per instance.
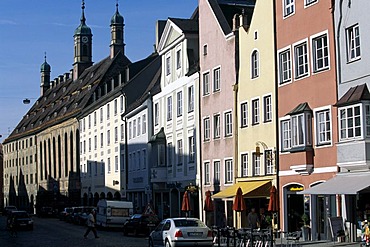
(82, 46)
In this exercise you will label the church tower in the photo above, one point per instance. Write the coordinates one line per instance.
(116, 27)
(45, 76)
(82, 46)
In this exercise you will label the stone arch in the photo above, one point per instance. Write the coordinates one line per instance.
(109, 196)
(117, 196)
(96, 198)
(102, 195)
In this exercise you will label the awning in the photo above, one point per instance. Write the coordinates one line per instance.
(249, 188)
(346, 184)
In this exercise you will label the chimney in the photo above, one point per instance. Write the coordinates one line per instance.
(61, 78)
(66, 76)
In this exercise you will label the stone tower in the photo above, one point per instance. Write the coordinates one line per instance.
(117, 39)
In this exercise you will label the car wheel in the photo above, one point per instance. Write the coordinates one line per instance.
(151, 244)
(168, 243)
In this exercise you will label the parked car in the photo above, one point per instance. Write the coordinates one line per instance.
(65, 213)
(9, 209)
(22, 220)
(140, 224)
(174, 232)
(46, 212)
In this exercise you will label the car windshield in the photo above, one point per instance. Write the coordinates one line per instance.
(21, 215)
(188, 223)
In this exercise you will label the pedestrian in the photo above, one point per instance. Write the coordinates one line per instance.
(12, 227)
(91, 224)
(253, 220)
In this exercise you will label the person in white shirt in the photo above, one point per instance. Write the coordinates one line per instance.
(91, 225)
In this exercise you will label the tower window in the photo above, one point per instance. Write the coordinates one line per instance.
(84, 50)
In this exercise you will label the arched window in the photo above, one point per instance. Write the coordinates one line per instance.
(255, 64)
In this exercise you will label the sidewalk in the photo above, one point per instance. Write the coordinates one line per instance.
(282, 242)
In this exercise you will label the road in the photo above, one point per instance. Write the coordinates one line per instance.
(51, 232)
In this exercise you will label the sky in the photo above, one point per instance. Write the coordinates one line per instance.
(31, 28)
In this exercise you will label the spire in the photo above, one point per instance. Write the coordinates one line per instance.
(83, 28)
(45, 76)
(83, 19)
(117, 39)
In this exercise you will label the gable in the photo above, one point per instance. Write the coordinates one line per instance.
(170, 34)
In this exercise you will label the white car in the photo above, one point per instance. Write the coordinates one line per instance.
(175, 232)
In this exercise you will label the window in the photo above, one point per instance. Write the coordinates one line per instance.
(108, 112)
(138, 126)
(129, 130)
(144, 158)
(108, 137)
(95, 142)
(169, 108)
(191, 99)
(116, 167)
(115, 134)
(121, 103)
(255, 64)
(267, 108)
(217, 172)
(179, 152)
(350, 122)
(134, 128)
(94, 118)
(286, 134)
(320, 53)
(101, 115)
(269, 166)
(308, 2)
(115, 107)
(301, 130)
(122, 132)
(256, 164)
(206, 83)
(169, 153)
(109, 167)
(89, 144)
(205, 50)
(285, 67)
(178, 59)
(216, 79)
(89, 122)
(255, 111)
(191, 149)
(323, 124)
(168, 65)
(207, 129)
(156, 114)
(301, 60)
(244, 114)
(353, 43)
(229, 171)
(288, 6)
(217, 126)
(179, 104)
(244, 165)
(228, 124)
(101, 140)
(144, 124)
(207, 177)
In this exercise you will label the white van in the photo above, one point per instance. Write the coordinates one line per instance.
(113, 213)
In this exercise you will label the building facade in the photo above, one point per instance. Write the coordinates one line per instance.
(307, 117)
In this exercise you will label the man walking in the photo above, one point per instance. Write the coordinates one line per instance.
(91, 224)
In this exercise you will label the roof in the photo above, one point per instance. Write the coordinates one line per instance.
(186, 25)
(68, 98)
(303, 107)
(225, 10)
(354, 95)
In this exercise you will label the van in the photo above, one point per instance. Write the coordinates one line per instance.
(113, 213)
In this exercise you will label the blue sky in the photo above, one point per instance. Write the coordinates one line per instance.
(29, 28)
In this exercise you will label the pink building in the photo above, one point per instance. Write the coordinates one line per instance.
(307, 116)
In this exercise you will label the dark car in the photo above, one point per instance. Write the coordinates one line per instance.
(46, 212)
(65, 213)
(9, 209)
(140, 224)
(22, 220)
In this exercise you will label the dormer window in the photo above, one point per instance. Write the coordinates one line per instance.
(354, 121)
(168, 65)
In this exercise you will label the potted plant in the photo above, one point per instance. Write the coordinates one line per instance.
(306, 226)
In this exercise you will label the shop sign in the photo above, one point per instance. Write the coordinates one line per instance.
(296, 188)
